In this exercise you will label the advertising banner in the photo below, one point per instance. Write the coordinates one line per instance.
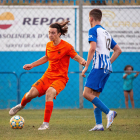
(123, 23)
(26, 28)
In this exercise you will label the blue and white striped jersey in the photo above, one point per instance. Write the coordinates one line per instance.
(104, 42)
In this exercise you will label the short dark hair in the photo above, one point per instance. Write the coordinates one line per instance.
(96, 14)
(125, 68)
(61, 27)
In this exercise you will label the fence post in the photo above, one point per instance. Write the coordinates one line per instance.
(18, 90)
(80, 52)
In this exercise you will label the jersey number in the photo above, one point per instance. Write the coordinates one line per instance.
(108, 43)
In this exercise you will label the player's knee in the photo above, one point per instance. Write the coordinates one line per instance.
(28, 95)
(32, 94)
(50, 94)
(84, 94)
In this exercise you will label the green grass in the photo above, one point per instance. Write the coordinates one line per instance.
(71, 125)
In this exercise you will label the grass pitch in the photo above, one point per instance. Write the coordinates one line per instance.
(71, 125)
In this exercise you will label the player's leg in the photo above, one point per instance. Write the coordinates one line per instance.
(131, 98)
(126, 98)
(33, 93)
(98, 116)
(55, 88)
(50, 94)
(95, 100)
(99, 104)
(96, 80)
(27, 98)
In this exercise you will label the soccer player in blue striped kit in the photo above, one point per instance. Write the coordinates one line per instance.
(101, 43)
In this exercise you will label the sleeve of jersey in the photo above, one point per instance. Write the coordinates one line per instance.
(92, 35)
(113, 43)
(72, 52)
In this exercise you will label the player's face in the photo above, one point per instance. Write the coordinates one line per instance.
(53, 34)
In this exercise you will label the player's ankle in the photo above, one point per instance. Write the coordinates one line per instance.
(22, 105)
(46, 123)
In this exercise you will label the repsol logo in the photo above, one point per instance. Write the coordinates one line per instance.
(43, 20)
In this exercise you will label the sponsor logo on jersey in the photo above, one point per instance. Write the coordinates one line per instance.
(90, 36)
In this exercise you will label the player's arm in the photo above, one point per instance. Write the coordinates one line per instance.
(116, 53)
(79, 59)
(90, 56)
(40, 61)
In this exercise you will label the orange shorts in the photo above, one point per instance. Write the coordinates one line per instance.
(44, 83)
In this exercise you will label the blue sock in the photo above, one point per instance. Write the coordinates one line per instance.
(98, 116)
(99, 104)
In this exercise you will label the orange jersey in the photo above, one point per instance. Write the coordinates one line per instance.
(59, 58)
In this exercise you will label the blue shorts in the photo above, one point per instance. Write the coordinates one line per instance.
(96, 79)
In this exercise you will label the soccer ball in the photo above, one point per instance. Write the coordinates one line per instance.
(17, 122)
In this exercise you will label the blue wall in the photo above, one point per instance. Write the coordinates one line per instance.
(112, 95)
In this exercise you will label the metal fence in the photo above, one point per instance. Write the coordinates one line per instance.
(8, 89)
(73, 2)
(23, 37)
(13, 88)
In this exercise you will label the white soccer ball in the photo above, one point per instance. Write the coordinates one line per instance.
(17, 122)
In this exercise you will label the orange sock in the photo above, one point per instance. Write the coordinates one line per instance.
(24, 101)
(48, 111)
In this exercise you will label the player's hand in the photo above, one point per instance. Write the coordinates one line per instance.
(28, 66)
(83, 63)
(83, 72)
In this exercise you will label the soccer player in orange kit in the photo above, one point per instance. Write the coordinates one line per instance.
(58, 53)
